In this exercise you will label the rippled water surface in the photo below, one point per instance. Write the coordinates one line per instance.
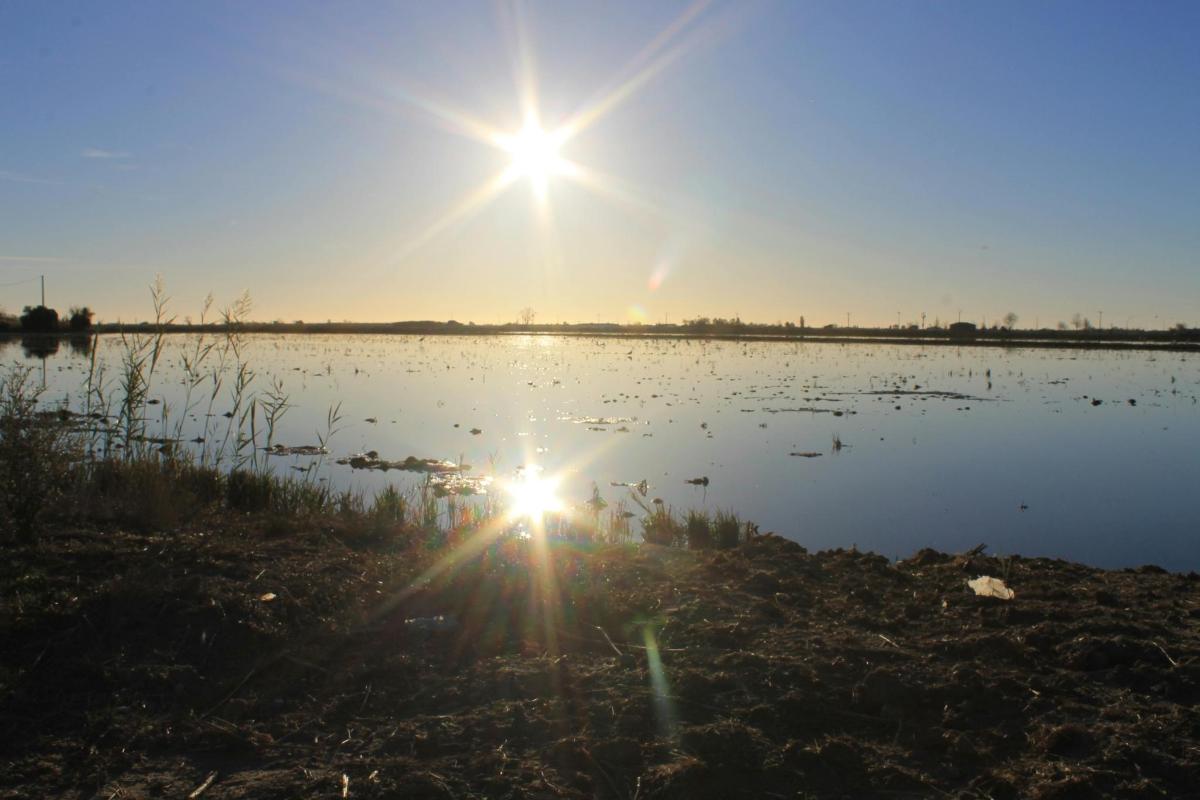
(945, 447)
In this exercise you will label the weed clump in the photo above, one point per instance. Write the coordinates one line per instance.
(699, 531)
(249, 491)
(390, 509)
(37, 454)
(727, 529)
(659, 526)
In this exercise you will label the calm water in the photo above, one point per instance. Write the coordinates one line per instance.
(944, 447)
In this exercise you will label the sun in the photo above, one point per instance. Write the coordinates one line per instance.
(534, 151)
(534, 154)
(532, 496)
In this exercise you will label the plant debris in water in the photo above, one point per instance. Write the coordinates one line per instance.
(297, 450)
(456, 483)
(593, 421)
(371, 460)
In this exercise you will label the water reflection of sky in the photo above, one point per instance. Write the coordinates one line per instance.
(1109, 484)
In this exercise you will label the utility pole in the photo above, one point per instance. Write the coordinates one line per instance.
(922, 320)
(43, 291)
(1100, 324)
(847, 319)
(897, 319)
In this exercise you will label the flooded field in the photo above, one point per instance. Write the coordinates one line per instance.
(1086, 455)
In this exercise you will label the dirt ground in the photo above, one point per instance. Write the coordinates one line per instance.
(235, 660)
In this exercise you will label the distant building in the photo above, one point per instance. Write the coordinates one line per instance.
(963, 329)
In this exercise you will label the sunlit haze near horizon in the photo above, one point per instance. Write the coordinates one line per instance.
(616, 161)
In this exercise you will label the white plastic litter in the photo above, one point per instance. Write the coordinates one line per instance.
(987, 586)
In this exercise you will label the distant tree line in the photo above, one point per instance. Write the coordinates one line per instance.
(41, 319)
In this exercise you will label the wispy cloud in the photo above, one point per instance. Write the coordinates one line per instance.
(18, 178)
(97, 152)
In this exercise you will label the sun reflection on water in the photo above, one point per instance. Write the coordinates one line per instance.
(532, 495)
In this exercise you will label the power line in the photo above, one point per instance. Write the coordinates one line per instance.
(23, 280)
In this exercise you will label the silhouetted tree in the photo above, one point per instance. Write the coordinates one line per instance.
(39, 319)
(1010, 319)
(81, 318)
(527, 315)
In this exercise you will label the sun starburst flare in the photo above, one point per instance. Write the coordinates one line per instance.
(535, 155)
(532, 496)
(535, 151)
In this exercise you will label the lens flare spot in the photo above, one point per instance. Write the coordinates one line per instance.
(658, 276)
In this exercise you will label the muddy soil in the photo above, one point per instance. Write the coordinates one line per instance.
(237, 660)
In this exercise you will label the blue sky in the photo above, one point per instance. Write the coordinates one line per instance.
(791, 158)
